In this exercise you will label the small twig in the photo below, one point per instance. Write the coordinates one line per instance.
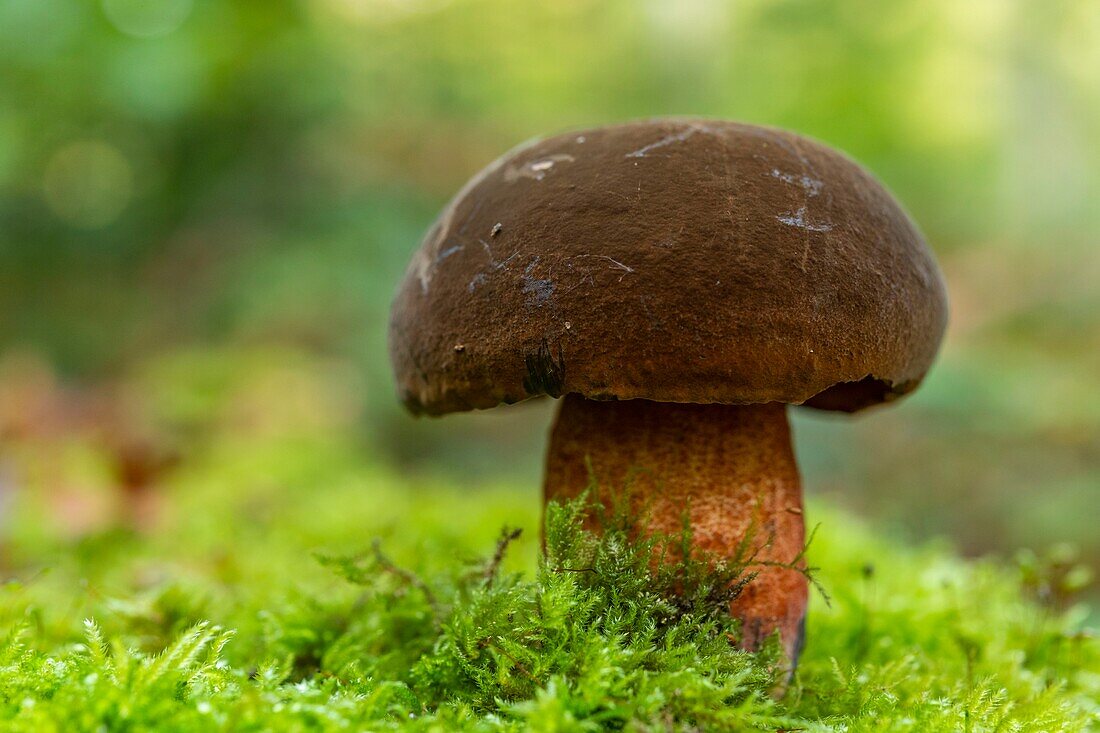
(519, 665)
(507, 536)
(388, 565)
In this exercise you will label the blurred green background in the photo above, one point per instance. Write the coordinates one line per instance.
(205, 207)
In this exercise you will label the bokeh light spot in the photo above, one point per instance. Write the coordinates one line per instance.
(147, 18)
(37, 30)
(88, 183)
(158, 81)
(381, 10)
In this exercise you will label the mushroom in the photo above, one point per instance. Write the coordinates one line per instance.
(678, 282)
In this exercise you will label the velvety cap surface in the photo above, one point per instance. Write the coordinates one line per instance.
(670, 260)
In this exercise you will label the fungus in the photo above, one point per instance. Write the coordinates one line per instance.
(696, 277)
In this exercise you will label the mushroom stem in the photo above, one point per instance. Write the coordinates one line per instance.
(730, 468)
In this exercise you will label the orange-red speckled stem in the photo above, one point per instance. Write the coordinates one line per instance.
(731, 468)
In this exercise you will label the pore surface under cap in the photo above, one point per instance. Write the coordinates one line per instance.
(670, 260)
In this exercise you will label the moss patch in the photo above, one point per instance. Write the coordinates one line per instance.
(199, 629)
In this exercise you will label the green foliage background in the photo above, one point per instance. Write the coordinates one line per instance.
(190, 172)
(205, 207)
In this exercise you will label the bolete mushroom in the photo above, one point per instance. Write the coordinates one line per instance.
(678, 282)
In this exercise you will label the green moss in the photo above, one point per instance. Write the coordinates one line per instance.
(437, 637)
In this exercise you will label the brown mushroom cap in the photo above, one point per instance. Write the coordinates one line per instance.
(670, 260)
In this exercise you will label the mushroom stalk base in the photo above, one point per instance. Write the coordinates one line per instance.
(730, 468)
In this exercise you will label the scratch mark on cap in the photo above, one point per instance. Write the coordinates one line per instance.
(798, 219)
(476, 281)
(811, 185)
(538, 291)
(679, 137)
(615, 264)
(494, 265)
(448, 252)
(536, 169)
